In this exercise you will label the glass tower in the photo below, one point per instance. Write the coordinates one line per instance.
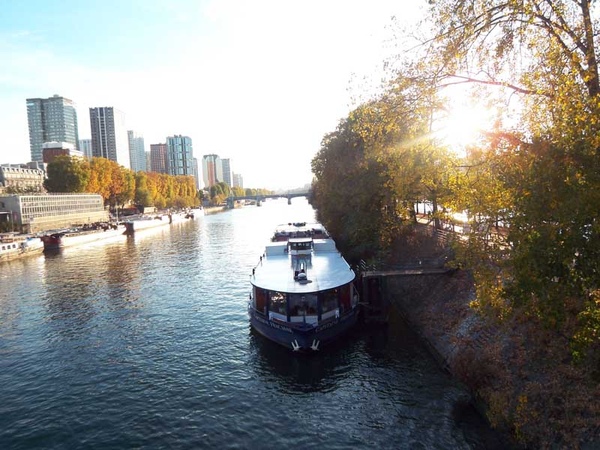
(180, 158)
(52, 119)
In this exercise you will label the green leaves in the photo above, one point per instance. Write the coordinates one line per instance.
(67, 174)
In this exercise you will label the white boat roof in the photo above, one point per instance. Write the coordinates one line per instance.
(326, 269)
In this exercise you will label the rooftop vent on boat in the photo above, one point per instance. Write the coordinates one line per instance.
(301, 277)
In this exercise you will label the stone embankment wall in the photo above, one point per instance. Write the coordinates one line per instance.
(437, 307)
(522, 376)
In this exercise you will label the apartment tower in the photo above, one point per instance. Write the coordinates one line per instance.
(137, 151)
(211, 170)
(52, 119)
(226, 167)
(180, 156)
(109, 135)
(85, 146)
(158, 158)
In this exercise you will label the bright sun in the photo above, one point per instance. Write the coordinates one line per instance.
(463, 125)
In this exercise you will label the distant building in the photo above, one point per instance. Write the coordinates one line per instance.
(197, 174)
(238, 181)
(109, 135)
(158, 158)
(137, 151)
(52, 119)
(226, 169)
(21, 178)
(85, 146)
(180, 156)
(211, 170)
(148, 162)
(53, 149)
(41, 212)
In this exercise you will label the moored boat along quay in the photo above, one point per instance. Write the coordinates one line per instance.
(81, 235)
(14, 246)
(138, 223)
(303, 294)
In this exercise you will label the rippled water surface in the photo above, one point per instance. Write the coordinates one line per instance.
(144, 343)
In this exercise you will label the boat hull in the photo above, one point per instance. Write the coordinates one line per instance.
(57, 241)
(139, 224)
(132, 226)
(302, 337)
(18, 248)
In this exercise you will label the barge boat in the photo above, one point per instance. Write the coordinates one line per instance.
(303, 295)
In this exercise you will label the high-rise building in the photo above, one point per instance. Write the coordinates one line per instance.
(158, 158)
(109, 135)
(85, 146)
(226, 168)
(180, 155)
(197, 174)
(211, 170)
(52, 119)
(238, 180)
(137, 152)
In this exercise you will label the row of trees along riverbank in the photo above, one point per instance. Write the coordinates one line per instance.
(120, 186)
(530, 184)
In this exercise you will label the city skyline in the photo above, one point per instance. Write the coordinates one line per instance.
(53, 123)
(262, 82)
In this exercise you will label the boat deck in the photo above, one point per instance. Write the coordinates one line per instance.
(325, 269)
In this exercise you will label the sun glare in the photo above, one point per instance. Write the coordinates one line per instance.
(463, 126)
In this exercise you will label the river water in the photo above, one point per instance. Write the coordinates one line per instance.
(144, 342)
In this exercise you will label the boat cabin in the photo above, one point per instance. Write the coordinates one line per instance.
(311, 308)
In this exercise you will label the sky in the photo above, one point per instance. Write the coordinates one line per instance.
(260, 82)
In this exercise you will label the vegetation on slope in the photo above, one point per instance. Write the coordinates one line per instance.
(530, 184)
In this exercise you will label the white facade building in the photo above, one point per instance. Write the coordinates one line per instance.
(41, 212)
(137, 151)
(21, 178)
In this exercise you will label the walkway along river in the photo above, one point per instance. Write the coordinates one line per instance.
(145, 343)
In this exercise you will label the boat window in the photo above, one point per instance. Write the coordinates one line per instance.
(277, 302)
(303, 304)
(301, 245)
(345, 298)
(260, 300)
(329, 300)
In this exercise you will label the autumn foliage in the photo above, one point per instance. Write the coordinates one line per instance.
(119, 186)
(529, 187)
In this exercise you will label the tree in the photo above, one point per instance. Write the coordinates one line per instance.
(142, 194)
(101, 172)
(543, 178)
(124, 190)
(238, 191)
(67, 174)
(219, 192)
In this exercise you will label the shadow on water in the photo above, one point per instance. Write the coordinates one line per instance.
(399, 366)
(302, 372)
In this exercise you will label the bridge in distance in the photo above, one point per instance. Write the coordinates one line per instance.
(259, 198)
